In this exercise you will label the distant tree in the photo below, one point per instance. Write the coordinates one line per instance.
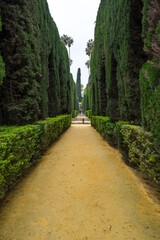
(88, 50)
(68, 41)
(87, 63)
(82, 87)
(82, 90)
(78, 85)
(70, 61)
(64, 38)
(90, 45)
(74, 98)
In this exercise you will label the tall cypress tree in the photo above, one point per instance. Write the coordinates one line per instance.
(78, 85)
(20, 91)
(65, 84)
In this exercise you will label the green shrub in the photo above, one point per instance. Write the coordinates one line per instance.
(141, 150)
(103, 125)
(88, 113)
(74, 113)
(117, 132)
(21, 147)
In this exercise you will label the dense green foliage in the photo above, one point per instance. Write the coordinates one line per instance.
(74, 113)
(125, 70)
(114, 80)
(150, 72)
(137, 143)
(86, 101)
(20, 147)
(37, 82)
(68, 41)
(119, 83)
(2, 70)
(150, 100)
(103, 125)
(74, 98)
(141, 150)
(114, 71)
(88, 113)
(2, 67)
(78, 85)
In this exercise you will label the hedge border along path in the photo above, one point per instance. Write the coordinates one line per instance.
(74, 113)
(21, 147)
(88, 113)
(138, 143)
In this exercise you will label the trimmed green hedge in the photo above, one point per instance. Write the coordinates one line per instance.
(74, 113)
(21, 147)
(138, 143)
(103, 125)
(117, 132)
(88, 113)
(141, 150)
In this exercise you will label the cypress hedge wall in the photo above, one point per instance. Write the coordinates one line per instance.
(114, 71)
(125, 64)
(150, 72)
(86, 99)
(37, 82)
(74, 98)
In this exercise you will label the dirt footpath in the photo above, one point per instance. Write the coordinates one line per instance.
(81, 190)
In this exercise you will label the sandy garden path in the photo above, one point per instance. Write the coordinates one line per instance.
(81, 190)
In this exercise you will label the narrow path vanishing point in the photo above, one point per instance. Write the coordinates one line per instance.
(81, 190)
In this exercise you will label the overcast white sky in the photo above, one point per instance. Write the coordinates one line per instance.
(76, 18)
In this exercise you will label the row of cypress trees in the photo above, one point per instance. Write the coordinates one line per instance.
(114, 71)
(78, 85)
(86, 101)
(37, 82)
(74, 98)
(125, 63)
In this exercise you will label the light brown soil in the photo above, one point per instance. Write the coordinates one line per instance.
(81, 190)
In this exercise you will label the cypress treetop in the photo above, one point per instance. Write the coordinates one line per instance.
(78, 85)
